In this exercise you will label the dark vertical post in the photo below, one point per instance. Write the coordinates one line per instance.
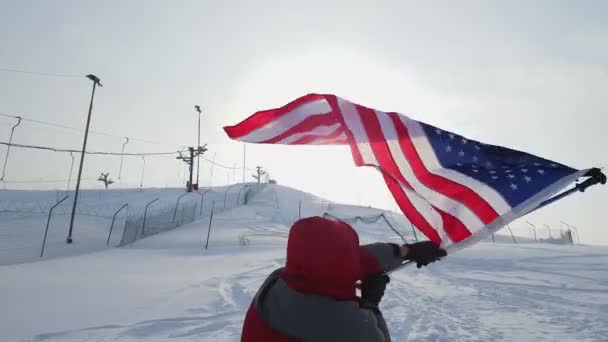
(512, 236)
(71, 168)
(114, 219)
(414, 231)
(8, 148)
(549, 230)
(177, 205)
(143, 168)
(203, 201)
(46, 231)
(96, 82)
(143, 226)
(276, 200)
(191, 149)
(198, 157)
(122, 155)
(534, 228)
(300, 210)
(210, 223)
(578, 237)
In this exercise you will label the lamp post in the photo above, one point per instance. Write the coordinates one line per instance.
(198, 158)
(96, 82)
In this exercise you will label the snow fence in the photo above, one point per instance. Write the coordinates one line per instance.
(35, 224)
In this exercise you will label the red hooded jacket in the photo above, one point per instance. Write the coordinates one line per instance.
(316, 291)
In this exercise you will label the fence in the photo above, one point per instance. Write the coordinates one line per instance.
(104, 218)
(525, 234)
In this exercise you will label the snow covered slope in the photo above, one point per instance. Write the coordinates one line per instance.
(168, 288)
(24, 215)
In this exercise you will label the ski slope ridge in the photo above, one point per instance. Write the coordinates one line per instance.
(168, 288)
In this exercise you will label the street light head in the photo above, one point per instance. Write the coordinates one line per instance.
(198, 109)
(95, 79)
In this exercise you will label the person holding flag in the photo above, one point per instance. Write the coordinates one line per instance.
(313, 298)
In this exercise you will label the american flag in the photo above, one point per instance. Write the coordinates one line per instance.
(453, 189)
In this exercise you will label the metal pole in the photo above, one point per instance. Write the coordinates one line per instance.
(143, 226)
(121, 156)
(534, 228)
(549, 229)
(71, 168)
(191, 149)
(276, 200)
(578, 237)
(96, 82)
(114, 219)
(177, 205)
(48, 221)
(141, 181)
(300, 210)
(203, 201)
(212, 166)
(393, 228)
(210, 222)
(198, 157)
(414, 231)
(512, 236)
(8, 148)
(226, 194)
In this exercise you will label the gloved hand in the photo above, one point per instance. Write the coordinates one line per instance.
(424, 252)
(372, 290)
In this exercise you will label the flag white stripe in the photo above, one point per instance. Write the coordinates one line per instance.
(430, 161)
(437, 199)
(287, 121)
(353, 121)
(319, 130)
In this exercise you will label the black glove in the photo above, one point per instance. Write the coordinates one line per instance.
(425, 252)
(372, 290)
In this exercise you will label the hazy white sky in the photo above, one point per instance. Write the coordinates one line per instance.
(528, 75)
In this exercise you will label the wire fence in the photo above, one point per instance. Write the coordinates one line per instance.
(35, 225)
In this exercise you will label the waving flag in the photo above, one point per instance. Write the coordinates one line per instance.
(453, 189)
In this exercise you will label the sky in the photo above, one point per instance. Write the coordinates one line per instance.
(528, 75)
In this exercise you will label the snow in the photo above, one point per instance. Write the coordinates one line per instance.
(168, 288)
(24, 214)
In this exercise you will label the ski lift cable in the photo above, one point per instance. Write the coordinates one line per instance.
(40, 73)
(46, 148)
(81, 131)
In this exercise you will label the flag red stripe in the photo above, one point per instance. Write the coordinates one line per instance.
(387, 163)
(409, 210)
(453, 227)
(310, 138)
(449, 188)
(264, 117)
(308, 124)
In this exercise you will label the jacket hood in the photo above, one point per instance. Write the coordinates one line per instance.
(323, 258)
